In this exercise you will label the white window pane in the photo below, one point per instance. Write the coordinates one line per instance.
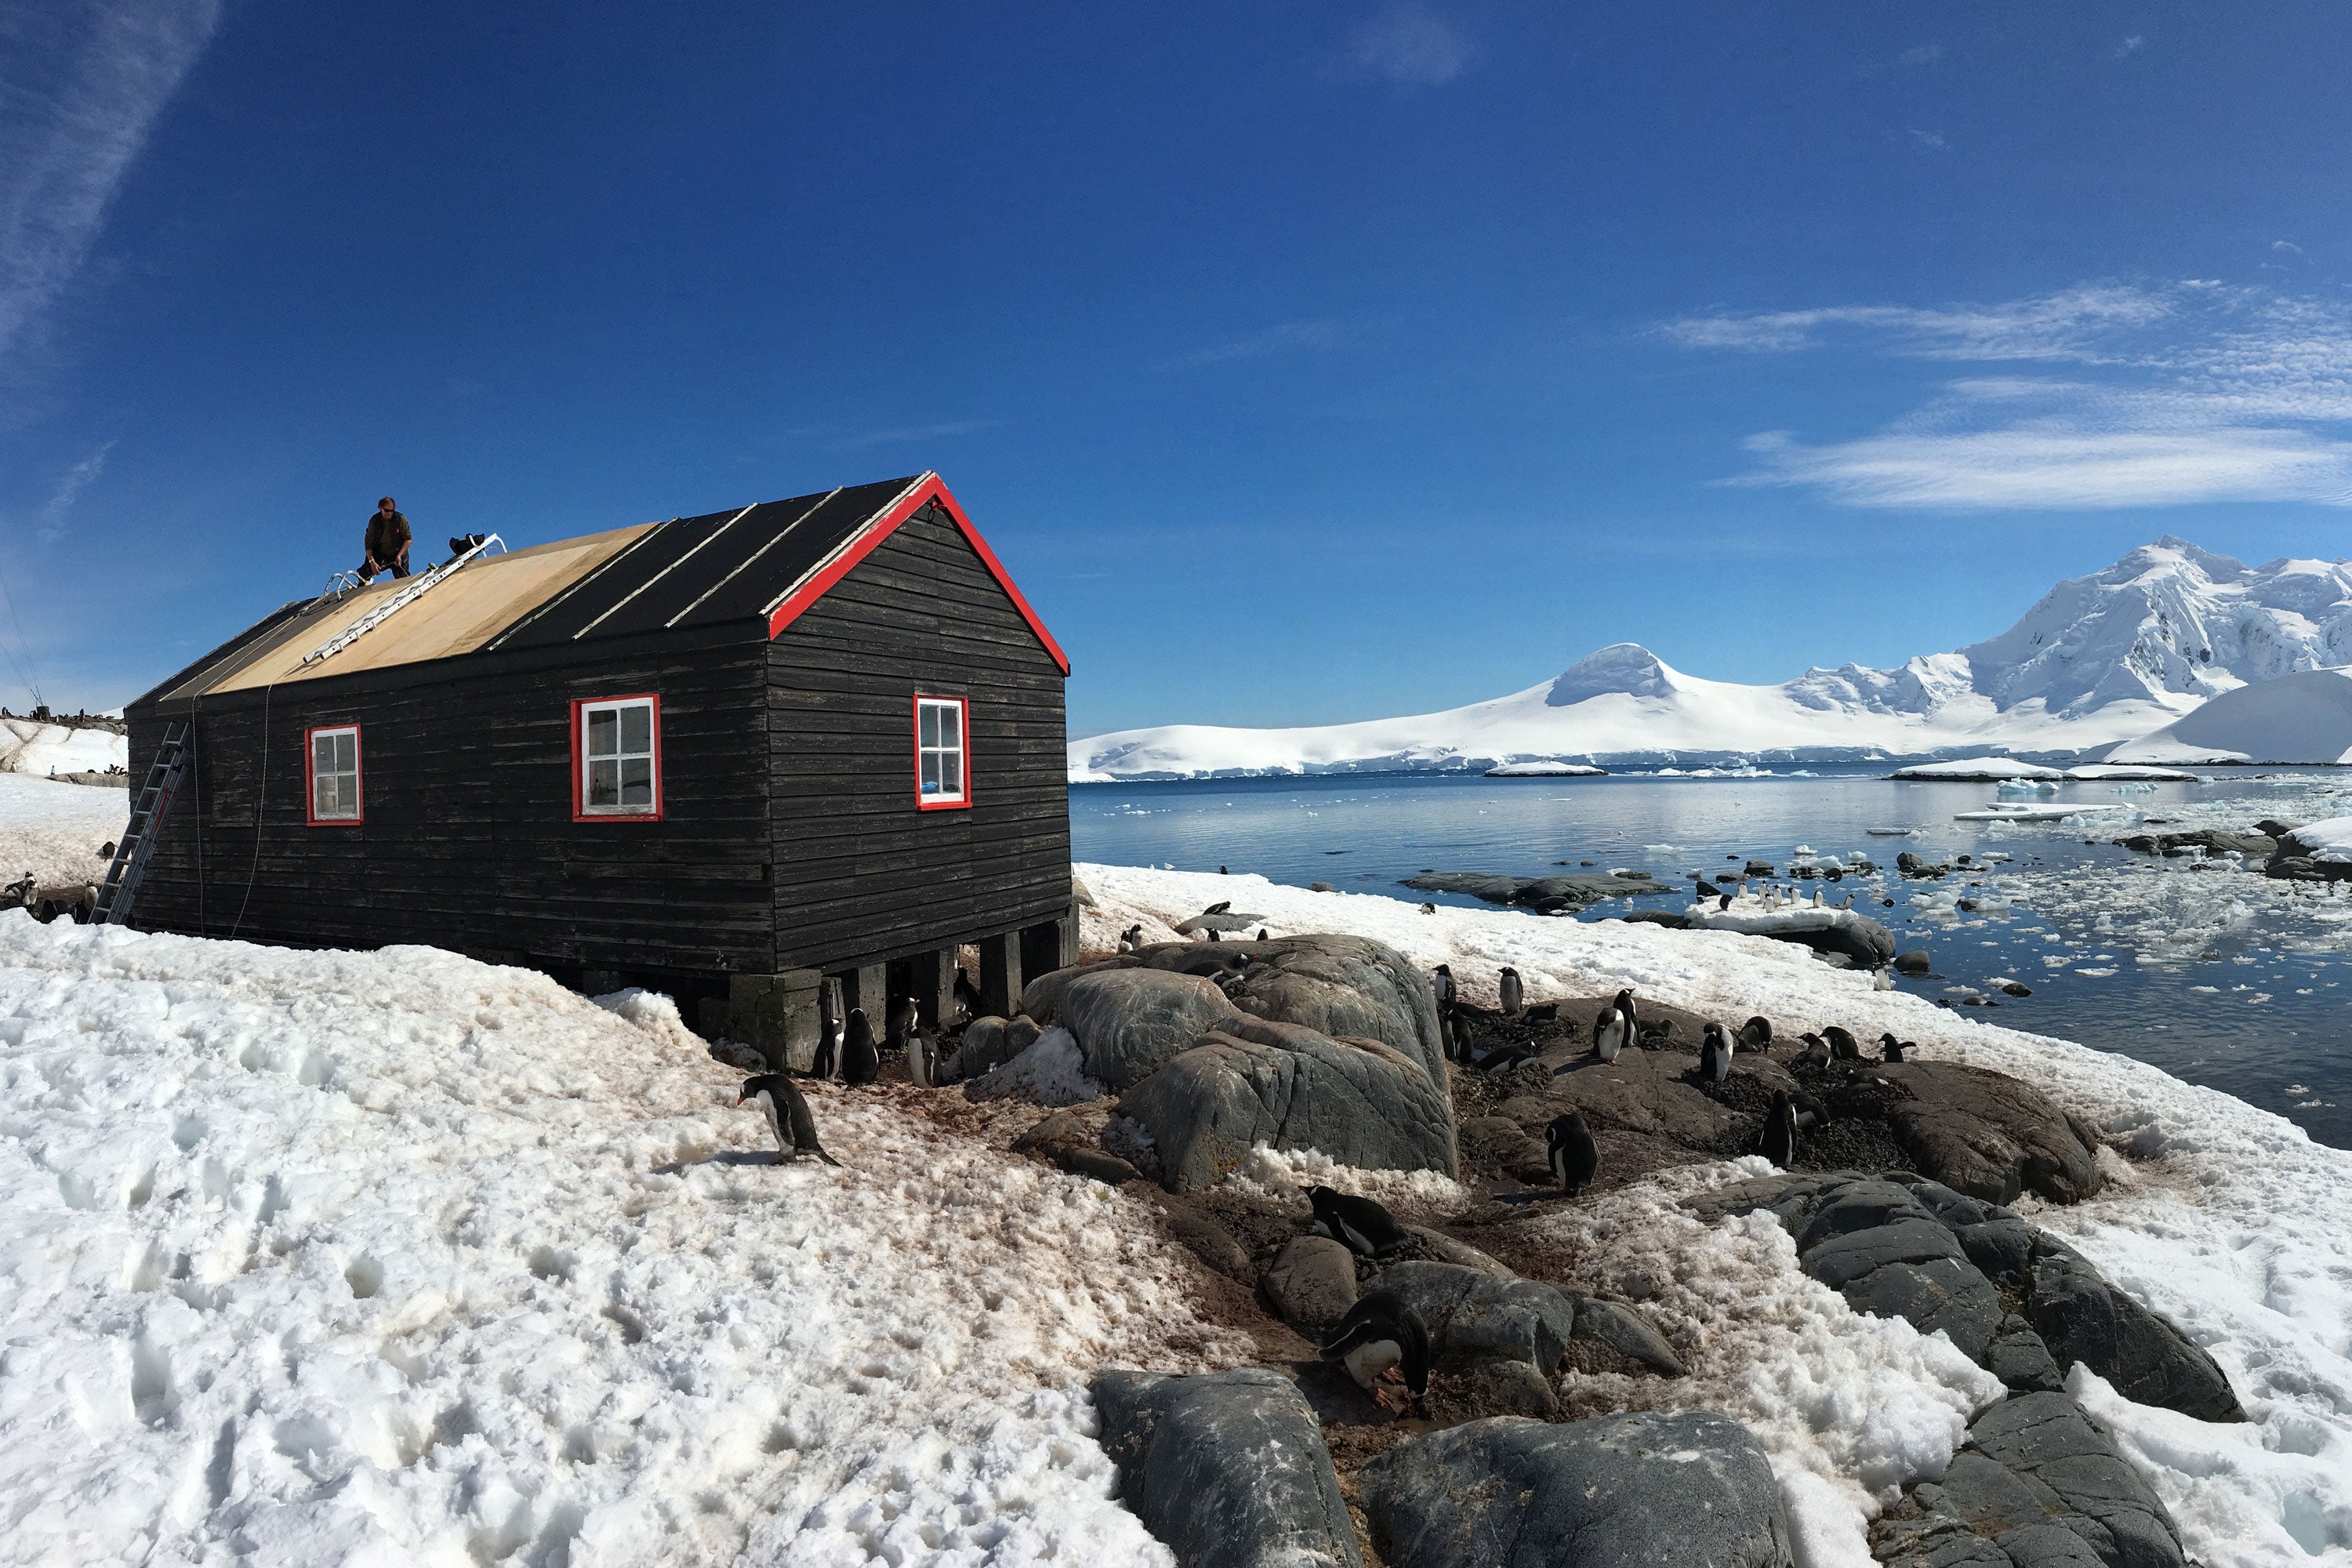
(638, 728)
(604, 784)
(637, 782)
(604, 732)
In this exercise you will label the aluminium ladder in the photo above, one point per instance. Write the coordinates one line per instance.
(138, 843)
(431, 578)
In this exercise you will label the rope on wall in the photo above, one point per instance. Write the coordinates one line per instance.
(260, 813)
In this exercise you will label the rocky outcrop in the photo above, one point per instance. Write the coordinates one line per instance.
(1249, 1082)
(1545, 895)
(2081, 1317)
(1227, 1468)
(1311, 1281)
(1989, 1135)
(1622, 1490)
(1130, 1022)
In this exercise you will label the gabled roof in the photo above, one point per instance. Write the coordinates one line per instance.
(765, 564)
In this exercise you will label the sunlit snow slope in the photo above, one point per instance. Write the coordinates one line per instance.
(2101, 660)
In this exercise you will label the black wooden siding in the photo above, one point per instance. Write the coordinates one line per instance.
(859, 870)
(789, 839)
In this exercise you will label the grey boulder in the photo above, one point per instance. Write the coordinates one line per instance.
(1227, 1468)
(1312, 1282)
(1348, 986)
(2049, 1443)
(2083, 1317)
(1129, 1023)
(1645, 1489)
(1248, 1082)
(1470, 1314)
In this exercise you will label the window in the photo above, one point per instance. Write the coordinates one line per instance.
(616, 755)
(331, 760)
(940, 729)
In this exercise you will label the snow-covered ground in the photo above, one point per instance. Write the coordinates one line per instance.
(55, 830)
(2101, 660)
(395, 1258)
(30, 747)
(2230, 1220)
(2305, 716)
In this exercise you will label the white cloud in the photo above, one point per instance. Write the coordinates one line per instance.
(2290, 246)
(2194, 392)
(1927, 138)
(1280, 339)
(2127, 47)
(1409, 45)
(80, 85)
(61, 500)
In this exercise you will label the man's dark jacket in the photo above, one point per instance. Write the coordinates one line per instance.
(386, 537)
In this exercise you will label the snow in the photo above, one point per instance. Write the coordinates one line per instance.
(2101, 774)
(2330, 839)
(1546, 768)
(55, 830)
(2303, 717)
(2016, 811)
(30, 747)
(397, 1257)
(1978, 770)
(2100, 659)
(2231, 1220)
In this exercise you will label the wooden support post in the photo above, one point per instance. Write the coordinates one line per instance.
(867, 986)
(1000, 975)
(1070, 935)
(777, 1015)
(935, 986)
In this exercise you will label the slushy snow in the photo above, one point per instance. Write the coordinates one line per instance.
(396, 1257)
(2231, 1220)
(55, 830)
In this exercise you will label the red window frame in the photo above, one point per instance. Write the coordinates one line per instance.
(310, 782)
(580, 812)
(963, 731)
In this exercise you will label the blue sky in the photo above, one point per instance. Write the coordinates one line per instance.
(1304, 361)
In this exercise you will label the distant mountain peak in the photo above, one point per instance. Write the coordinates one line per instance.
(1625, 668)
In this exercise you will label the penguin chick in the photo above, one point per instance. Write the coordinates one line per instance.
(1756, 1034)
(1368, 1229)
(788, 1116)
(1574, 1155)
(1777, 1139)
(1382, 1337)
(1714, 1054)
(860, 1062)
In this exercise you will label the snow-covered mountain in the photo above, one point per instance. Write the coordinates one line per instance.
(2101, 660)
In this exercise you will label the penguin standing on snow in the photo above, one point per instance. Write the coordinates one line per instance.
(1507, 983)
(1756, 1034)
(1778, 1141)
(860, 1062)
(920, 1068)
(1714, 1053)
(1574, 1155)
(1367, 1229)
(788, 1116)
(1379, 1339)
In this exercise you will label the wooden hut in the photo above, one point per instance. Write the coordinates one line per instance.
(724, 756)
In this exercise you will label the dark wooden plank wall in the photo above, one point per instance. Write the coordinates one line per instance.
(468, 841)
(862, 876)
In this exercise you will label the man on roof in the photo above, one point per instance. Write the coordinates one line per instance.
(387, 543)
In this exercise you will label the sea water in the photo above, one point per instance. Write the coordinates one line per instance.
(2207, 968)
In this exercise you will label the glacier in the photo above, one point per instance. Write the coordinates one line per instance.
(2099, 662)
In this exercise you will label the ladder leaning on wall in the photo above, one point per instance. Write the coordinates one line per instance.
(147, 812)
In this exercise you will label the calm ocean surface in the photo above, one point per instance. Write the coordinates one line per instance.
(2217, 975)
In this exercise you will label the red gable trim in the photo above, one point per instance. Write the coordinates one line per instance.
(924, 490)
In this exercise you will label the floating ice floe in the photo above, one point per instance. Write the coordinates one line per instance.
(2020, 811)
(1977, 770)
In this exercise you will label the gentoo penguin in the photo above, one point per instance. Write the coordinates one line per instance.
(1429, 909)
(1624, 1004)
(1706, 890)
(1756, 1034)
(1891, 1049)
(1848, 902)
(1609, 1033)
(1220, 907)
(1541, 1012)
(788, 1116)
(1223, 872)
(1368, 1229)
(1842, 1046)
(1656, 1035)
(1723, 903)
(1262, 935)
(1574, 1155)
(967, 995)
(1778, 1141)
(860, 1062)
(1441, 980)
(1132, 938)
(919, 1066)
(1817, 1049)
(828, 1035)
(1460, 1035)
(1714, 1053)
(1817, 897)
(898, 1019)
(1507, 983)
(1381, 1336)
(1811, 1112)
